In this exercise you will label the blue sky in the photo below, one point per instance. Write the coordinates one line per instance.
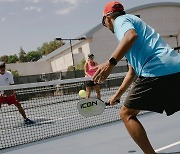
(30, 23)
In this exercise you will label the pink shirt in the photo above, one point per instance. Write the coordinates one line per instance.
(90, 69)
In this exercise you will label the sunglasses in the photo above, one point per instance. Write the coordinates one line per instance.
(104, 17)
(103, 21)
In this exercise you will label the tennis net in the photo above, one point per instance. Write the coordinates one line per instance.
(52, 105)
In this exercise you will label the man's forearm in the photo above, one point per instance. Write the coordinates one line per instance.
(129, 78)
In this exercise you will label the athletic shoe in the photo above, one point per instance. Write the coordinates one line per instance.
(28, 121)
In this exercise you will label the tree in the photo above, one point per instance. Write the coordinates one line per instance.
(33, 56)
(70, 68)
(22, 55)
(4, 58)
(80, 66)
(47, 48)
(14, 73)
(13, 58)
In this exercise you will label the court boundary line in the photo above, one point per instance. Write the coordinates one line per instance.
(168, 146)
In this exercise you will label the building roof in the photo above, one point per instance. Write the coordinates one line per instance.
(87, 34)
(90, 33)
(153, 5)
(58, 51)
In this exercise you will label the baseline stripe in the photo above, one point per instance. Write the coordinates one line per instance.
(168, 146)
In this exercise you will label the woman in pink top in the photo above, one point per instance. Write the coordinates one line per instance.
(90, 68)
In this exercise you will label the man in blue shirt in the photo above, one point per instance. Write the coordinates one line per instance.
(156, 65)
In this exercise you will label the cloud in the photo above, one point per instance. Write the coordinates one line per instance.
(71, 2)
(71, 5)
(3, 19)
(34, 1)
(32, 8)
(64, 11)
(9, 0)
(12, 13)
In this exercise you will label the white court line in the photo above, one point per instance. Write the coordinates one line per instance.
(51, 119)
(168, 146)
(54, 119)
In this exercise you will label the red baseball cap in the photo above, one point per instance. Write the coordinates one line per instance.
(112, 6)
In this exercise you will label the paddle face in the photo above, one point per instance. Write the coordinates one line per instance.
(90, 107)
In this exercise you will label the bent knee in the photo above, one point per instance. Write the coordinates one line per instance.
(126, 113)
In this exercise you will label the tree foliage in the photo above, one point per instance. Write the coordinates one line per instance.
(80, 66)
(30, 56)
(33, 56)
(4, 58)
(22, 55)
(12, 59)
(70, 68)
(14, 73)
(47, 48)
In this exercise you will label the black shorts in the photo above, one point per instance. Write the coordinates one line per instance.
(91, 84)
(156, 94)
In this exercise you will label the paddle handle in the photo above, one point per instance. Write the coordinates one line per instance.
(108, 104)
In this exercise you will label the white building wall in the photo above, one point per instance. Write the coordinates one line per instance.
(53, 65)
(68, 61)
(62, 61)
(103, 44)
(30, 68)
(165, 20)
(81, 51)
(57, 64)
(86, 48)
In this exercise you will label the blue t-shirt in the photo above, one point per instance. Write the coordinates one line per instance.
(150, 55)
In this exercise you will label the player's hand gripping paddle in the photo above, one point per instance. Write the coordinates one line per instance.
(92, 107)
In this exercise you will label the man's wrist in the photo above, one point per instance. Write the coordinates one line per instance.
(113, 61)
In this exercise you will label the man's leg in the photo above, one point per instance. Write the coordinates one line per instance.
(136, 129)
(21, 110)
